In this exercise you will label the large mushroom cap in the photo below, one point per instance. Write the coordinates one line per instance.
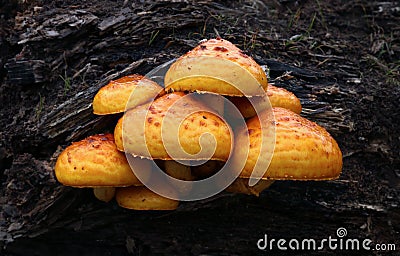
(303, 149)
(216, 66)
(278, 97)
(115, 96)
(146, 124)
(96, 162)
(142, 198)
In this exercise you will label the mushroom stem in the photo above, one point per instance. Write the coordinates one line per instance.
(207, 169)
(261, 186)
(241, 185)
(105, 194)
(180, 172)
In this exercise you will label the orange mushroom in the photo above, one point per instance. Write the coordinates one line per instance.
(115, 97)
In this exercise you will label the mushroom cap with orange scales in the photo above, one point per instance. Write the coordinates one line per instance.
(278, 97)
(216, 66)
(115, 97)
(96, 162)
(175, 122)
(303, 150)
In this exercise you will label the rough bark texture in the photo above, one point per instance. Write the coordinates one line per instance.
(340, 58)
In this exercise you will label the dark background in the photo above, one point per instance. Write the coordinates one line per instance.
(343, 59)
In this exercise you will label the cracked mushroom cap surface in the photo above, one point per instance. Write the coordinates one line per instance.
(303, 149)
(96, 162)
(142, 198)
(192, 119)
(215, 66)
(115, 97)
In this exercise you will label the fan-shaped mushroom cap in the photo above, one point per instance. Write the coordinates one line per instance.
(303, 149)
(96, 162)
(278, 97)
(115, 96)
(142, 198)
(215, 66)
(155, 125)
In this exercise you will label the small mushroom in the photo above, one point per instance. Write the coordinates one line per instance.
(96, 163)
(115, 97)
(216, 66)
(278, 97)
(142, 198)
(303, 149)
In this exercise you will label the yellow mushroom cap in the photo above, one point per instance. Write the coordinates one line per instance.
(213, 66)
(115, 97)
(303, 149)
(96, 162)
(191, 127)
(278, 97)
(142, 198)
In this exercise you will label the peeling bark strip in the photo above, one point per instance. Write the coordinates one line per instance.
(75, 116)
(342, 67)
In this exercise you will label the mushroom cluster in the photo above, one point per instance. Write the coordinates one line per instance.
(180, 128)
